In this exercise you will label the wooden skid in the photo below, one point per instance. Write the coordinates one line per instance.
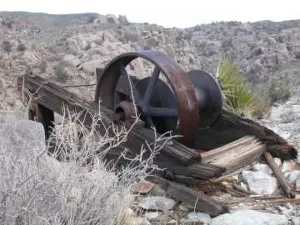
(175, 157)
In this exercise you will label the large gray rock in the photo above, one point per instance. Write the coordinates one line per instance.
(23, 137)
(262, 167)
(204, 218)
(157, 203)
(260, 182)
(71, 60)
(250, 217)
(90, 66)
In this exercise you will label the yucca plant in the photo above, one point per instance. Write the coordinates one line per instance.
(237, 94)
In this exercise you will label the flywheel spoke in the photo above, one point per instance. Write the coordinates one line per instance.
(151, 86)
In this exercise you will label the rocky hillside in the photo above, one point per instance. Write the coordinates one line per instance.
(76, 44)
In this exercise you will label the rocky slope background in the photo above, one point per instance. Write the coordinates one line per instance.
(67, 49)
(74, 45)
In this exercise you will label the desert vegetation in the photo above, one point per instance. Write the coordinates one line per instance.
(244, 98)
(81, 188)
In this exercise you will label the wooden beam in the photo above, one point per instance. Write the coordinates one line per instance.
(235, 155)
(196, 199)
(284, 183)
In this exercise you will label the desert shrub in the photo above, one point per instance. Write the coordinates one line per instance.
(277, 92)
(7, 46)
(35, 188)
(21, 47)
(227, 44)
(43, 66)
(238, 95)
(60, 73)
(110, 20)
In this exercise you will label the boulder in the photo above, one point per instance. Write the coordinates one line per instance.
(71, 60)
(250, 217)
(157, 203)
(198, 217)
(260, 182)
(90, 66)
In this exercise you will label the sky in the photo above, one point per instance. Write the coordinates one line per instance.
(175, 13)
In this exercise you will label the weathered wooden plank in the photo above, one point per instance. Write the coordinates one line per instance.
(230, 127)
(196, 199)
(279, 175)
(235, 155)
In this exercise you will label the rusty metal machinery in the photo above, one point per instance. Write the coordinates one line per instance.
(168, 100)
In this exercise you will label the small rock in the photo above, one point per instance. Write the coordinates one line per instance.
(183, 207)
(199, 217)
(262, 167)
(157, 203)
(249, 217)
(288, 165)
(293, 177)
(71, 60)
(158, 191)
(90, 66)
(135, 221)
(152, 215)
(295, 220)
(260, 182)
(297, 185)
(143, 187)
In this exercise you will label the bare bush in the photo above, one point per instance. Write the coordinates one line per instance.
(82, 188)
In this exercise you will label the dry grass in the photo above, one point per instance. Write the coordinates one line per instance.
(35, 188)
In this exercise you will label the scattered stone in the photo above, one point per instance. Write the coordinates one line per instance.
(295, 220)
(297, 185)
(262, 167)
(288, 165)
(191, 223)
(294, 178)
(260, 182)
(71, 60)
(152, 216)
(250, 217)
(136, 221)
(90, 66)
(157, 203)
(143, 187)
(204, 218)
(183, 207)
(158, 191)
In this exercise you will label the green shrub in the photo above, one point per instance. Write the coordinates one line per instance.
(60, 73)
(238, 95)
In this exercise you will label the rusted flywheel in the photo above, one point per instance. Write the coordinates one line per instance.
(167, 105)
